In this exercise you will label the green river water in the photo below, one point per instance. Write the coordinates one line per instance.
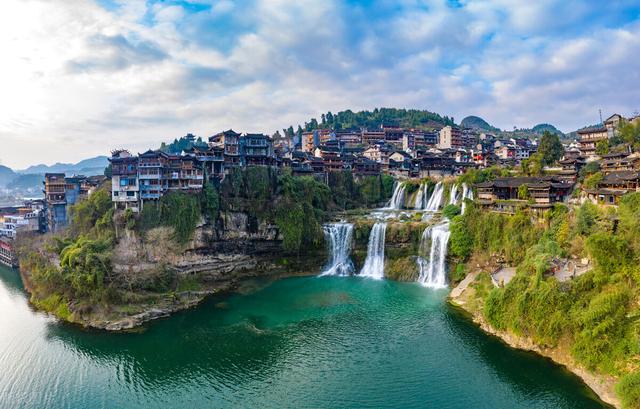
(329, 342)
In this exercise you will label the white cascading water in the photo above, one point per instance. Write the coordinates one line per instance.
(419, 203)
(433, 273)
(436, 198)
(397, 199)
(339, 237)
(374, 263)
(453, 195)
(466, 194)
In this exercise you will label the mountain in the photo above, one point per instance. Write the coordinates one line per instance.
(87, 167)
(540, 128)
(6, 175)
(475, 122)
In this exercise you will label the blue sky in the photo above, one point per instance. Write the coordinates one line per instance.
(80, 78)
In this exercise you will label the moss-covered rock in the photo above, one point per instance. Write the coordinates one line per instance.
(401, 269)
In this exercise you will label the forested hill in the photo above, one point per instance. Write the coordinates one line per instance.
(407, 118)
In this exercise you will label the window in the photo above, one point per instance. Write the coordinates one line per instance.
(116, 193)
(131, 194)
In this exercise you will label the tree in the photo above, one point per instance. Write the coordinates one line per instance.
(630, 133)
(602, 148)
(461, 240)
(550, 148)
(523, 192)
(592, 181)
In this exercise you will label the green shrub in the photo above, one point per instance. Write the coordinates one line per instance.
(629, 390)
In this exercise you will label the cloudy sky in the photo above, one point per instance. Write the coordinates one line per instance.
(78, 78)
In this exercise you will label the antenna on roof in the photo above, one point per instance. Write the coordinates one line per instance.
(600, 112)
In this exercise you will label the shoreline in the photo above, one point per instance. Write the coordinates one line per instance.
(602, 385)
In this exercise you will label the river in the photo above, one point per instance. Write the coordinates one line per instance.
(321, 342)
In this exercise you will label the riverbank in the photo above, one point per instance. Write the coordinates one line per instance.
(462, 297)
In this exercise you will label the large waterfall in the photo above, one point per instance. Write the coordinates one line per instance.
(339, 237)
(433, 272)
(419, 203)
(397, 200)
(374, 263)
(436, 198)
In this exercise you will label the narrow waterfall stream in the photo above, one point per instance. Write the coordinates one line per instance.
(419, 203)
(339, 237)
(433, 272)
(453, 195)
(466, 194)
(374, 263)
(435, 201)
(397, 200)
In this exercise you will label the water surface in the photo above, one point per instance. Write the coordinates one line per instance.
(303, 342)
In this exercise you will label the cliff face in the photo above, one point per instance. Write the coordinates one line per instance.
(237, 247)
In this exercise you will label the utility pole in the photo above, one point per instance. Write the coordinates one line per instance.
(600, 112)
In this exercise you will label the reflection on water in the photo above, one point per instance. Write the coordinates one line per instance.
(302, 342)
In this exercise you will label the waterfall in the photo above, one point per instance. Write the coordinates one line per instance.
(397, 200)
(453, 194)
(419, 203)
(433, 272)
(466, 194)
(339, 237)
(374, 263)
(436, 198)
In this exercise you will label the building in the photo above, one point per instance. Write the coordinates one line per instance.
(7, 254)
(257, 149)
(372, 137)
(309, 141)
(589, 138)
(612, 123)
(570, 169)
(613, 186)
(450, 138)
(543, 191)
(151, 174)
(618, 162)
(125, 189)
(55, 188)
(230, 141)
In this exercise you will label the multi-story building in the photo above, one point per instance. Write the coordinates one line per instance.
(230, 141)
(372, 137)
(589, 138)
(450, 138)
(151, 176)
(257, 149)
(125, 189)
(309, 141)
(212, 160)
(55, 188)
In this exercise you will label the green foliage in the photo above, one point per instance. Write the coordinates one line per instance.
(592, 181)
(587, 170)
(550, 148)
(450, 211)
(602, 147)
(473, 176)
(85, 264)
(461, 239)
(408, 118)
(523, 192)
(93, 215)
(533, 166)
(629, 390)
(210, 202)
(586, 218)
(184, 143)
(601, 330)
(630, 133)
(182, 212)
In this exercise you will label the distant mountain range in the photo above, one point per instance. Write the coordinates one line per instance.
(30, 179)
(477, 123)
(87, 167)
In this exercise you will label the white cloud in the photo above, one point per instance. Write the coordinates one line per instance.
(78, 80)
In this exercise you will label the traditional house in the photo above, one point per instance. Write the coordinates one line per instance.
(450, 138)
(589, 138)
(125, 189)
(55, 191)
(257, 149)
(613, 186)
(570, 169)
(544, 191)
(230, 142)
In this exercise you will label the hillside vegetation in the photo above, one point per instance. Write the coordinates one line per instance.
(596, 314)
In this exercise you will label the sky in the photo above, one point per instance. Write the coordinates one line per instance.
(79, 78)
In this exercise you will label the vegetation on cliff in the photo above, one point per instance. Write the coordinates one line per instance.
(596, 314)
